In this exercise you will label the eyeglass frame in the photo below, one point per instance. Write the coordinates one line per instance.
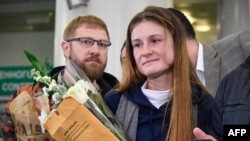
(92, 40)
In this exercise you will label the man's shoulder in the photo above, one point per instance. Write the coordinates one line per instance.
(56, 70)
(111, 79)
(235, 40)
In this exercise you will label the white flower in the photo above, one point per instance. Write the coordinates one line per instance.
(54, 97)
(53, 86)
(44, 89)
(38, 78)
(42, 118)
(88, 86)
(78, 91)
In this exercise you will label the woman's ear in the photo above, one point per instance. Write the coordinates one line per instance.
(66, 48)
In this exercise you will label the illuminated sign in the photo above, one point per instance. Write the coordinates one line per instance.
(12, 78)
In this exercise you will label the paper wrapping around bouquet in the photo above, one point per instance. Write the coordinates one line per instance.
(74, 122)
(43, 137)
(25, 119)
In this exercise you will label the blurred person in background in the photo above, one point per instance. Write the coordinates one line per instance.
(123, 53)
(212, 62)
(234, 95)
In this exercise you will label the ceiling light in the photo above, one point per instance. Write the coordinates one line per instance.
(202, 28)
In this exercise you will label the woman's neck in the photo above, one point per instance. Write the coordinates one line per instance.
(160, 83)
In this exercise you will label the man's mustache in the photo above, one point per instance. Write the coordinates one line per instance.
(94, 58)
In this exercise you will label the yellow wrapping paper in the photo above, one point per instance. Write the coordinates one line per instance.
(72, 121)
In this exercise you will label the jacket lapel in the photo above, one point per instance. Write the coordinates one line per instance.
(211, 69)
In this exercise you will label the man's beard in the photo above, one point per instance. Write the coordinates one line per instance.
(93, 71)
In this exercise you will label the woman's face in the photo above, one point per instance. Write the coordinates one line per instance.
(152, 49)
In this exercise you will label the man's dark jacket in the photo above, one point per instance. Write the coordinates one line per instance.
(233, 95)
(106, 82)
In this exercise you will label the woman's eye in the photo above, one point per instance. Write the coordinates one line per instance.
(155, 40)
(136, 45)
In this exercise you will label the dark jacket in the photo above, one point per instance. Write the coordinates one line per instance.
(106, 82)
(150, 119)
(233, 95)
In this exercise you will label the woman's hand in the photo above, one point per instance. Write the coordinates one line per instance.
(199, 134)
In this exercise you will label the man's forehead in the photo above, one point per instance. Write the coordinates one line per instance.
(92, 32)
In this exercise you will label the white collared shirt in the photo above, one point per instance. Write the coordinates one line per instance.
(200, 65)
(157, 98)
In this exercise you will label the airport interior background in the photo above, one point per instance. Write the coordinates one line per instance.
(36, 19)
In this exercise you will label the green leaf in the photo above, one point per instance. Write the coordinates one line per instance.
(33, 60)
(46, 66)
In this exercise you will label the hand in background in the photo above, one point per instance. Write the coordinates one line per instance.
(199, 134)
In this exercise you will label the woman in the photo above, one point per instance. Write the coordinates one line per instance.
(160, 97)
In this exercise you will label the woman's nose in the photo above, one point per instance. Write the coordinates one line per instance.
(146, 50)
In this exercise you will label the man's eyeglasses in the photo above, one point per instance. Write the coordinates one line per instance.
(88, 42)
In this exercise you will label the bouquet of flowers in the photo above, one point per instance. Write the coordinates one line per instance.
(78, 111)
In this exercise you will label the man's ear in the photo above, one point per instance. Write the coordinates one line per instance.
(66, 48)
